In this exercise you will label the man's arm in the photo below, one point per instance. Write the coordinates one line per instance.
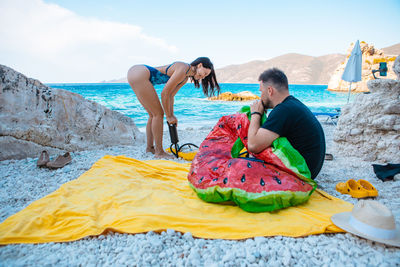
(259, 138)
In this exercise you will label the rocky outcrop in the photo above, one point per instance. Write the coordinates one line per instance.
(34, 117)
(396, 67)
(228, 96)
(369, 128)
(370, 61)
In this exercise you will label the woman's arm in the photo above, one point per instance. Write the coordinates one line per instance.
(174, 93)
(176, 81)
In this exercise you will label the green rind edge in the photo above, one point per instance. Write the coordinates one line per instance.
(252, 202)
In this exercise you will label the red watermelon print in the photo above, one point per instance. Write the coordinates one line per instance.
(276, 178)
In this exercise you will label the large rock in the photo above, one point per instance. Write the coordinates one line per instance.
(34, 117)
(241, 96)
(396, 67)
(370, 61)
(370, 127)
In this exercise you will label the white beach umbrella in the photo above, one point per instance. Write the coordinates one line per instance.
(352, 72)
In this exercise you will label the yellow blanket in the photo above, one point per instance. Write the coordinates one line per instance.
(132, 196)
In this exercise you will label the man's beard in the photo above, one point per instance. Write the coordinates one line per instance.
(267, 104)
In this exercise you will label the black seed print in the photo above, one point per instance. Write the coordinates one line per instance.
(239, 126)
(264, 165)
(262, 183)
(229, 165)
(245, 138)
(277, 180)
(205, 146)
(243, 178)
(211, 161)
(221, 126)
(215, 179)
(215, 168)
(201, 179)
(225, 180)
(248, 165)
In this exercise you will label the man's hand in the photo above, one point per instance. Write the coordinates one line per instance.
(258, 138)
(257, 106)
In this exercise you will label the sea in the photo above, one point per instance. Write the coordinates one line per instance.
(191, 107)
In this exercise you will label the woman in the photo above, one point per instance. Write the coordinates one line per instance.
(142, 79)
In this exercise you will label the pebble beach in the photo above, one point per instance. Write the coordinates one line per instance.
(21, 183)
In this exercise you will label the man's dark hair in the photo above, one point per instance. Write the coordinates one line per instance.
(275, 76)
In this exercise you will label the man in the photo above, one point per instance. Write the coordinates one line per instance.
(289, 118)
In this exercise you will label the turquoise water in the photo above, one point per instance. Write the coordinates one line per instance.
(193, 109)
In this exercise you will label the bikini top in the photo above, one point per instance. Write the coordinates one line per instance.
(157, 77)
(166, 70)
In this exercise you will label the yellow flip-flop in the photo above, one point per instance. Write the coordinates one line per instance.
(372, 192)
(341, 188)
(353, 188)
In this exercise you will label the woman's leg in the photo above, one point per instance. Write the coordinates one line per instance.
(149, 135)
(138, 78)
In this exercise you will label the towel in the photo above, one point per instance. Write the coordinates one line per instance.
(132, 196)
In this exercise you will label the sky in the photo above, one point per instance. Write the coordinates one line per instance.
(69, 41)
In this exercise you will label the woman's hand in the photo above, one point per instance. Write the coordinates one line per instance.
(172, 120)
(257, 106)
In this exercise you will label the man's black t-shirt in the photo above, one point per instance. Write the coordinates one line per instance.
(293, 120)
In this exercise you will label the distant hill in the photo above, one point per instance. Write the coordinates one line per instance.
(300, 69)
(393, 50)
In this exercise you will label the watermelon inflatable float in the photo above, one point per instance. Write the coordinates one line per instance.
(276, 178)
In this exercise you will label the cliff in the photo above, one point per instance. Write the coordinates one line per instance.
(370, 61)
(369, 127)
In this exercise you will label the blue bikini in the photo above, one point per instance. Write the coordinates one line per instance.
(156, 77)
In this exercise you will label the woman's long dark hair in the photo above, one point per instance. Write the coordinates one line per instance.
(209, 84)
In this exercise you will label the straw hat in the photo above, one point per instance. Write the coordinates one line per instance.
(371, 220)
